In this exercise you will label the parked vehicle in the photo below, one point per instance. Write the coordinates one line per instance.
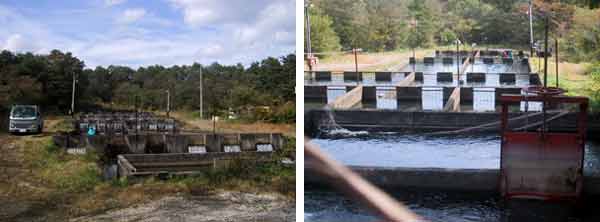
(25, 119)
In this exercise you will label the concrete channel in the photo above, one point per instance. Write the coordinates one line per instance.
(143, 144)
(430, 95)
(476, 180)
(427, 84)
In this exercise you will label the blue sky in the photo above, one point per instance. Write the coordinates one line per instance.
(140, 33)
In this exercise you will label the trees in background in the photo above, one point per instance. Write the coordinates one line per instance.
(324, 38)
(47, 80)
(384, 25)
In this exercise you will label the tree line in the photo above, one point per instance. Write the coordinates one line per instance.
(385, 25)
(262, 91)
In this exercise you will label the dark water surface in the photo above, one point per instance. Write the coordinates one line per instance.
(466, 152)
(473, 151)
(322, 206)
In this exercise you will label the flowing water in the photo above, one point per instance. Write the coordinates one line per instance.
(460, 152)
(413, 150)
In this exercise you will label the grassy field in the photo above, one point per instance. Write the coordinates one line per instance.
(573, 77)
(51, 185)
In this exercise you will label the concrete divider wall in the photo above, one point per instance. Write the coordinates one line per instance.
(477, 77)
(444, 77)
(181, 163)
(316, 93)
(323, 76)
(169, 143)
(408, 93)
(369, 94)
(383, 76)
(508, 78)
(483, 180)
(466, 95)
(394, 120)
(352, 76)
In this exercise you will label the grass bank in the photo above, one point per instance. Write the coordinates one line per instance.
(56, 185)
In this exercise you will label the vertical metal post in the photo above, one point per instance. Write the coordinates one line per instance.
(530, 28)
(201, 94)
(72, 112)
(356, 65)
(457, 62)
(545, 75)
(413, 45)
(556, 59)
(308, 43)
(137, 122)
(546, 54)
(168, 102)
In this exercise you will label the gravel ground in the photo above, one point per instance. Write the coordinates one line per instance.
(225, 206)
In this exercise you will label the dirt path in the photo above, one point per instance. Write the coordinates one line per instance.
(387, 61)
(225, 206)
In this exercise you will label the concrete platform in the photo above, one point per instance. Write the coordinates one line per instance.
(480, 180)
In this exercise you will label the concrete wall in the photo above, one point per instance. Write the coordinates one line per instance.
(168, 143)
(316, 93)
(486, 180)
(394, 120)
(181, 163)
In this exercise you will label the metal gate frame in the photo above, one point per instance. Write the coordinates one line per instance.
(561, 143)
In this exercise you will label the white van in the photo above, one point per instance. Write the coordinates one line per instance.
(25, 119)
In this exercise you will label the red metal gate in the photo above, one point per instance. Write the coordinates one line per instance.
(543, 163)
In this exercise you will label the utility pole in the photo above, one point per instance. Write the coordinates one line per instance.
(556, 58)
(530, 28)
(308, 43)
(458, 62)
(356, 65)
(415, 24)
(73, 94)
(201, 94)
(546, 54)
(168, 102)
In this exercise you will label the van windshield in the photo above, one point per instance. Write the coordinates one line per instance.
(23, 112)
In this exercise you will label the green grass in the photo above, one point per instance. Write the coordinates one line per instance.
(71, 185)
(245, 175)
(66, 173)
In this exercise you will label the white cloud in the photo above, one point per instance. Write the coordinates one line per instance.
(215, 12)
(18, 43)
(261, 22)
(131, 15)
(212, 51)
(231, 32)
(113, 2)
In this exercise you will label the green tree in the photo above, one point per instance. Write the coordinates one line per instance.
(323, 38)
(423, 34)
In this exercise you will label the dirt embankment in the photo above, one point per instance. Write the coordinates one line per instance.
(225, 206)
(231, 127)
(385, 61)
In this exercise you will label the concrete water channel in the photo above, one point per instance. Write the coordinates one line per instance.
(428, 83)
(387, 137)
(140, 144)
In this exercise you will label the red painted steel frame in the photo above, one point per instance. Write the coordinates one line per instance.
(551, 162)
